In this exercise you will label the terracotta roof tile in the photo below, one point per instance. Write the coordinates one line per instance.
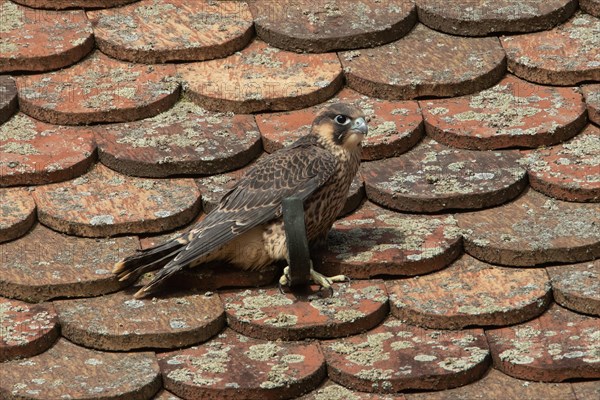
(592, 98)
(332, 391)
(164, 395)
(590, 7)
(586, 390)
(577, 286)
(17, 213)
(63, 4)
(8, 97)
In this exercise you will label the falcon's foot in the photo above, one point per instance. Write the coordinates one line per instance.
(323, 281)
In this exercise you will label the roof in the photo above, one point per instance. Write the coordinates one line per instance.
(472, 235)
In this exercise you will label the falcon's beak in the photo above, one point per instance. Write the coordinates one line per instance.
(360, 125)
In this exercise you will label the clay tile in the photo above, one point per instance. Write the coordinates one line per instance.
(577, 286)
(8, 97)
(17, 213)
(592, 98)
(65, 4)
(590, 7)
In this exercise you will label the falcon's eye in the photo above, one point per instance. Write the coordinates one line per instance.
(342, 119)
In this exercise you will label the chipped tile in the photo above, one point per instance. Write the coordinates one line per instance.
(185, 139)
(554, 347)
(98, 89)
(470, 293)
(565, 55)
(37, 40)
(592, 99)
(17, 213)
(70, 371)
(433, 177)
(374, 241)
(333, 25)
(26, 329)
(511, 113)
(173, 30)
(425, 63)
(396, 356)
(332, 391)
(103, 203)
(577, 286)
(62, 4)
(261, 78)
(534, 229)
(232, 366)
(590, 7)
(8, 97)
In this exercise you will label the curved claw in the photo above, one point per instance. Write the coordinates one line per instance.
(284, 280)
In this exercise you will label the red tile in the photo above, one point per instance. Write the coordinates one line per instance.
(232, 366)
(8, 97)
(565, 55)
(164, 395)
(295, 315)
(480, 18)
(394, 126)
(98, 89)
(470, 293)
(433, 177)
(185, 139)
(173, 30)
(34, 152)
(512, 113)
(577, 286)
(534, 229)
(569, 171)
(412, 66)
(261, 78)
(61, 4)
(36, 40)
(103, 203)
(592, 99)
(557, 346)
(27, 329)
(590, 7)
(45, 264)
(17, 213)
(70, 371)
(332, 391)
(586, 390)
(333, 25)
(396, 356)
(374, 241)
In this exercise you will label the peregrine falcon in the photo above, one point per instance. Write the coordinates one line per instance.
(246, 228)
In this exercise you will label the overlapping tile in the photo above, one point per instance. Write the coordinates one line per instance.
(34, 152)
(557, 346)
(534, 229)
(309, 26)
(412, 66)
(489, 16)
(569, 171)
(433, 177)
(332, 391)
(62, 4)
(512, 113)
(592, 99)
(232, 366)
(590, 7)
(173, 30)
(185, 139)
(36, 40)
(470, 293)
(268, 314)
(565, 55)
(394, 126)
(261, 78)
(98, 89)
(374, 241)
(27, 329)
(67, 370)
(577, 286)
(103, 203)
(8, 97)
(17, 213)
(396, 356)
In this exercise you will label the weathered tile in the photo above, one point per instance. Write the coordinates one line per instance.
(470, 293)
(433, 177)
(164, 395)
(394, 126)
(374, 241)
(412, 66)
(586, 390)
(70, 371)
(512, 113)
(261, 78)
(592, 99)
(396, 356)
(569, 171)
(554, 347)
(8, 97)
(185, 139)
(232, 366)
(332, 391)
(62, 4)
(590, 7)
(98, 89)
(577, 286)
(173, 30)
(299, 314)
(565, 55)
(33, 152)
(27, 329)
(532, 230)
(45, 264)
(103, 203)
(36, 40)
(480, 18)
(333, 25)
(17, 213)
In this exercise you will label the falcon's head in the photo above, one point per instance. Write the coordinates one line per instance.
(341, 124)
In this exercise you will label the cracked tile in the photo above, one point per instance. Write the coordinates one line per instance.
(8, 97)
(592, 99)
(577, 286)
(17, 213)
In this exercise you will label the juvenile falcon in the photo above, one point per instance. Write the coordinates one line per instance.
(246, 228)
